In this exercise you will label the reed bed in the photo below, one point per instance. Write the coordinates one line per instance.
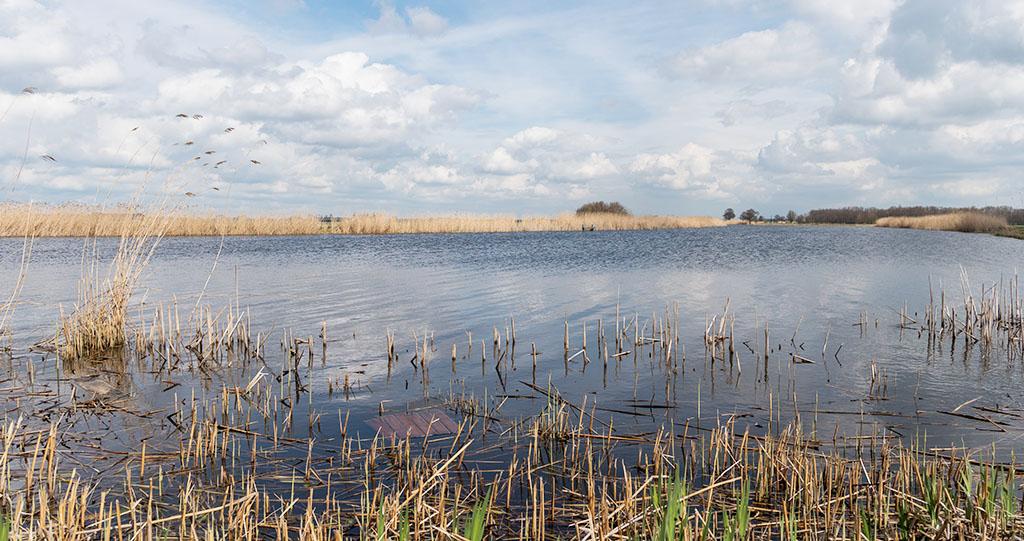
(251, 459)
(373, 224)
(966, 222)
(18, 220)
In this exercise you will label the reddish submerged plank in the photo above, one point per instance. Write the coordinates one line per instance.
(417, 424)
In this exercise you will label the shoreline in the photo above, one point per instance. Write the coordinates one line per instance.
(73, 222)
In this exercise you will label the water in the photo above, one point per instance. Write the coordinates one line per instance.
(804, 282)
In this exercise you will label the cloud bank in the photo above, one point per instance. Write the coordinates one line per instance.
(418, 108)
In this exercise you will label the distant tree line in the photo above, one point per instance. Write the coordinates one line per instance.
(868, 215)
(752, 215)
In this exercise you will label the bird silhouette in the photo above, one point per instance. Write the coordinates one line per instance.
(181, 115)
(189, 194)
(197, 117)
(210, 152)
(188, 142)
(48, 158)
(29, 90)
(228, 130)
(255, 162)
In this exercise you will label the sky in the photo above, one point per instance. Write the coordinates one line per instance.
(532, 107)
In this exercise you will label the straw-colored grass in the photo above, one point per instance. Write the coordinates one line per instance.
(967, 222)
(98, 323)
(369, 224)
(17, 220)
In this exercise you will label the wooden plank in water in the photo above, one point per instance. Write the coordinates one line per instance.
(416, 424)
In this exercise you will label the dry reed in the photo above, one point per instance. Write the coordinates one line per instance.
(18, 220)
(966, 222)
(369, 224)
(235, 464)
(97, 325)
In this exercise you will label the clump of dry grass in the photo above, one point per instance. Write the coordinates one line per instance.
(967, 222)
(98, 323)
(18, 220)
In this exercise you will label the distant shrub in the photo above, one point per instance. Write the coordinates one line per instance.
(600, 207)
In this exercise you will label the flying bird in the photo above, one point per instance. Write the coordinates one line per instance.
(48, 158)
(197, 117)
(228, 130)
(197, 157)
(135, 128)
(188, 142)
(210, 152)
(214, 188)
(220, 163)
(181, 115)
(29, 90)
(189, 194)
(255, 162)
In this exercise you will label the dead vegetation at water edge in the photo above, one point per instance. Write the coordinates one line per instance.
(246, 461)
(17, 220)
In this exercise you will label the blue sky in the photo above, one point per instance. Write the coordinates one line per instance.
(525, 107)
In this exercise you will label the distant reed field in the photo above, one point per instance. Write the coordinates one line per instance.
(18, 220)
(367, 224)
(967, 222)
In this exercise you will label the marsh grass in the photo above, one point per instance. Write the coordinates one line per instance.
(90, 221)
(95, 221)
(97, 325)
(368, 224)
(966, 222)
(242, 464)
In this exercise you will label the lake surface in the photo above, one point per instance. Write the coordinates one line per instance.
(843, 285)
